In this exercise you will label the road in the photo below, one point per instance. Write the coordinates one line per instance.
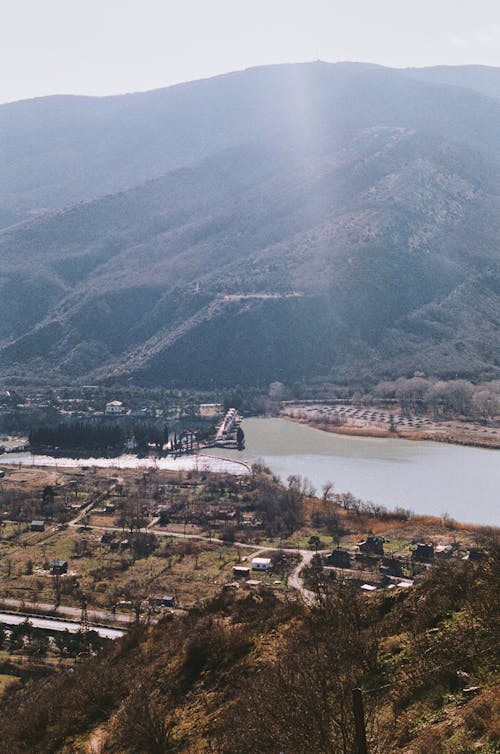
(99, 616)
(296, 582)
(54, 624)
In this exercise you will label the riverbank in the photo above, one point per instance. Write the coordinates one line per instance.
(359, 423)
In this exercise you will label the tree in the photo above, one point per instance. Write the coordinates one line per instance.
(314, 542)
(327, 491)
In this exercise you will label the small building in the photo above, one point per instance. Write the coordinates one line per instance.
(261, 564)
(423, 553)
(372, 546)
(241, 572)
(58, 567)
(475, 554)
(114, 408)
(252, 583)
(339, 558)
(167, 600)
(405, 583)
(37, 526)
(444, 551)
(109, 508)
(392, 567)
(210, 410)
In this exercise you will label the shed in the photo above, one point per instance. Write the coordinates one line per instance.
(241, 571)
(167, 600)
(37, 525)
(261, 564)
(58, 567)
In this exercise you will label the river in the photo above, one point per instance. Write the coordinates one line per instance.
(427, 477)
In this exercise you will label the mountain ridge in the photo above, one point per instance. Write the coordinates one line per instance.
(375, 202)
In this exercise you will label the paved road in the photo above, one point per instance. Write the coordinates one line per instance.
(54, 624)
(98, 616)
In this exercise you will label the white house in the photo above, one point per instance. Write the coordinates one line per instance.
(115, 407)
(261, 564)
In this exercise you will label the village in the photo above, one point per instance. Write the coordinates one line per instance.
(145, 540)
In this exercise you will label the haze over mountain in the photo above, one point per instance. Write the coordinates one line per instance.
(316, 219)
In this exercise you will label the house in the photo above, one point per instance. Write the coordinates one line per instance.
(261, 564)
(37, 526)
(392, 567)
(372, 546)
(241, 572)
(58, 567)
(114, 408)
(423, 553)
(209, 410)
(339, 558)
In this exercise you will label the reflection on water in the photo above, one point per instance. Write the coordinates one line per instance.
(200, 462)
(427, 477)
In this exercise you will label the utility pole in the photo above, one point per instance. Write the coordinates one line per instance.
(359, 722)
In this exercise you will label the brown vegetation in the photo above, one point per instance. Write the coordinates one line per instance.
(257, 673)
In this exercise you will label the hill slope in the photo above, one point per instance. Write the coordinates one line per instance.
(328, 219)
(257, 672)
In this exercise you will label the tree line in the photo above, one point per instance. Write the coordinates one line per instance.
(442, 398)
(92, 436)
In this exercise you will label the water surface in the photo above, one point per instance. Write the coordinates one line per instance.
(427, 477)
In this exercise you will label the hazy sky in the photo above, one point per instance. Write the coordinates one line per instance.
(113, 46)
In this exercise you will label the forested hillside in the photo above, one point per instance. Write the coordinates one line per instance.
(281, 222)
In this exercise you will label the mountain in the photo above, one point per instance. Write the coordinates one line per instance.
(282, 222)
(478, 78)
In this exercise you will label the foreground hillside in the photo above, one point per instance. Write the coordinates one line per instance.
(260, 674)
(314, 219)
